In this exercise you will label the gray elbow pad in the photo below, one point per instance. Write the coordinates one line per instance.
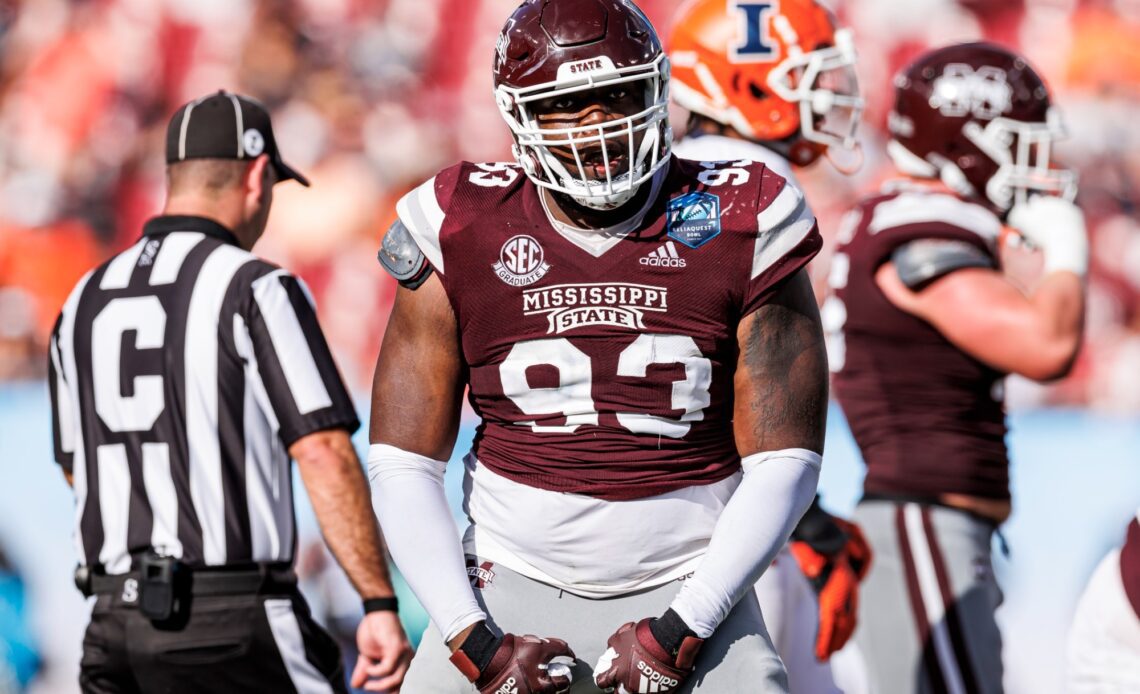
(402, 258)
(921, 262)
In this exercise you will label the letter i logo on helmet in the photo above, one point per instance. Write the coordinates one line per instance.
(774, 70)
(757, 43)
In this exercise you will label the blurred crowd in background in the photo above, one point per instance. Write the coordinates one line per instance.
(369, 97)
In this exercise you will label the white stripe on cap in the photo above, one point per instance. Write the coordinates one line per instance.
(184, 129)
(240, 126)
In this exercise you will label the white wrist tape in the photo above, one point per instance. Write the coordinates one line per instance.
(409, 501)
(776, 490)
(1057, 228)
(1072, 257)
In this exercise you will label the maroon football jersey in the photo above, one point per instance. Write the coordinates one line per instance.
(928, 418)
(602, 363)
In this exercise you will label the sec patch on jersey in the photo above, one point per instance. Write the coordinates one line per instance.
(521, 261)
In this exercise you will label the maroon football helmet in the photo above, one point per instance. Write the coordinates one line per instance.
(980, 118)
(550, 48)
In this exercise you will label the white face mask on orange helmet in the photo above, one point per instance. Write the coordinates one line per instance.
(779, 73)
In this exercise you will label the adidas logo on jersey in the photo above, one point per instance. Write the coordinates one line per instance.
(665, 256)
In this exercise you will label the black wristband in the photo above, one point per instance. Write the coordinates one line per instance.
(670, 631)
(480, 645)
(381, 605)
(818, 529)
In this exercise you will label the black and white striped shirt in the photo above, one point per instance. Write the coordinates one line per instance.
(181, 371)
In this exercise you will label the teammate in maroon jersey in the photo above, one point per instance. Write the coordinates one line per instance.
(639, 337)
(924, 326)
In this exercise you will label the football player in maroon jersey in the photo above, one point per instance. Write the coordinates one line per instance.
(779, 87)
(924, 326)
(639, 337)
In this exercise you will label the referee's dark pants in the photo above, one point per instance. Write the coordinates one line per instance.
(246, 631)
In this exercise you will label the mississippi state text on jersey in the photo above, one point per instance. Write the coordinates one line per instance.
(928, 418)
(606, 369)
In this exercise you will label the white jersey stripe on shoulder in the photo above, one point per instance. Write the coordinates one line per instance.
(931, 595)
(119, 270)
(201, 359)
(290, 344)
(421, 214)
(175, 248)
(783, 225)
(919, 208)
(782, 209)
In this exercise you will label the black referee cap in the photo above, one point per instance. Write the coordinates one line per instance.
(225, 126)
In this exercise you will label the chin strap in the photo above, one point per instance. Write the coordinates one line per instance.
(847, 169)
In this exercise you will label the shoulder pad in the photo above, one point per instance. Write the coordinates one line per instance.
(925, 260)
(402, 258)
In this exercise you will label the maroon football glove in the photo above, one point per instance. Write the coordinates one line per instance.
(638, 661)
(515, 664)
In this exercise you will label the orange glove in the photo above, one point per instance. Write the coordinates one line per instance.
(835, 575)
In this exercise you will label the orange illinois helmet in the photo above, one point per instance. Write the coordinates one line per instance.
(771, 69)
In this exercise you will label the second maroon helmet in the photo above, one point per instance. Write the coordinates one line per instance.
(551, 48)
(978, 117)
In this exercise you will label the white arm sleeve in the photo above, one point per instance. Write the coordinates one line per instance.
(408, 498)
(776, 490)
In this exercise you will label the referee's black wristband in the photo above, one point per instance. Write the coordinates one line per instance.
(380, 605)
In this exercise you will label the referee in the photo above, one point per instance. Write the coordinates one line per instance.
(185, 373)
